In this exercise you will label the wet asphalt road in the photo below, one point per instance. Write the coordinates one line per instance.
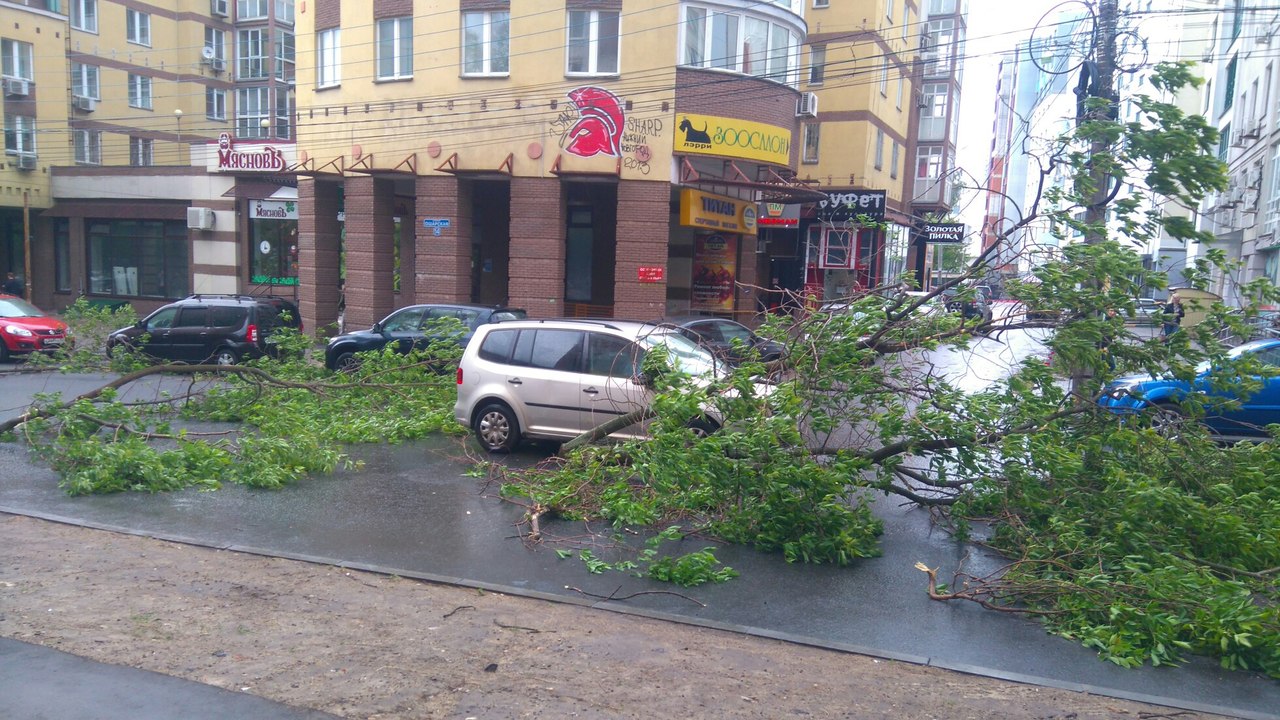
(411, 511)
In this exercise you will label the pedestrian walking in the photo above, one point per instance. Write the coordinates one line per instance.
(13, 286)
(1172, 314)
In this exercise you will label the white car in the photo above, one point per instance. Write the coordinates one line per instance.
(555, 379)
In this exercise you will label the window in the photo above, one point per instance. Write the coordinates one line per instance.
(17, 59)
(898, 100)
(216, 40)
(139, 91)
(84, 15)
(724, 41)
(137, 27)
(284, 11)
(817, 64)
(253, 105)
(929, 162)
(19, 135)
(592, 47)
(395, 48)
(62, 254)
(139, 258)
(140, 151)
(906, 20)
(274, 257)
(283, 123)
(879, 148)
(556, 350)
(251, 9)
(215, 103)
(284, 56)
(884, 77)
(821, 3)
(611, 356)
(695, 36)
(328, 57)
(1229, 95)
(888, 10)
(893, 161)
(811, 131)
(486, 43)
(837, 249)
(88, 147)
(84, 81)
(251, 54)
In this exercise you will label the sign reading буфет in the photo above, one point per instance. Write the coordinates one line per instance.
(942, 233)
(844, 205)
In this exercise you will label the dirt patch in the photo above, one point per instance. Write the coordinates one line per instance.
(362, 645)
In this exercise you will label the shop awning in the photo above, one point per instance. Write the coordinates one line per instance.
(771, 187)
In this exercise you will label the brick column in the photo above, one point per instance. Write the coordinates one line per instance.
(370, 217)
(744, 298)
(443, 272)
(319, 250)
(644, 227)
(537, 246)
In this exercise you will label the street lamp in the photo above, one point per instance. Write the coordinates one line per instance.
(177, 115)
(265, 124)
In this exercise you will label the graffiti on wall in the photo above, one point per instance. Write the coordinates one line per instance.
(599, 125)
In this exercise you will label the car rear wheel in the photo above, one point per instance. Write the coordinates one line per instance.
(225, 356)
(4, 352)
(702, 427)
(1165, 418)
(497, 428)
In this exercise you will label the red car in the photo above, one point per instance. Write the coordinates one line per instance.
(25, 329)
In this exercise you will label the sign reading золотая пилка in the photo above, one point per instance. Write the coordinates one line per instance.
(942, 233)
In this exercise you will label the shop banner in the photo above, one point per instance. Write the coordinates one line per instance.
(717, 212)
(849, 205)
(273, 209)
(942, 233)
(715, 269)
(730, 137)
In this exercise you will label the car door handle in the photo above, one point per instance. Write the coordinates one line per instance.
(590, 391)
(515, 381)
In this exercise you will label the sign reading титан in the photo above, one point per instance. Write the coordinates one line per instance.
(943, 233)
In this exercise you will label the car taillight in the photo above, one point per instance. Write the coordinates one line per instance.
(253, 333)
(459, 375)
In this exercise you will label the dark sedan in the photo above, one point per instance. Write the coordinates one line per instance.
(409, 328)
(1228, 410)
(730, 341)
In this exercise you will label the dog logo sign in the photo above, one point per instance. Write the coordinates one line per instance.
(695, 137)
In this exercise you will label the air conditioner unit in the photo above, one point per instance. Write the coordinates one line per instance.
(199, 218)
(84, 104)
(807, 105)
(217, 65)
(26, 161)
(1251, 131)
(218, 7)
(18, 87)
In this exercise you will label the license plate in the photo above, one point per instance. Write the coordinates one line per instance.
(53, 342)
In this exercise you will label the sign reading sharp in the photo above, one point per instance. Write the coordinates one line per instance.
(938, 233)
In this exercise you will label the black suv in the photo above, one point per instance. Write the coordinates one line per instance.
(408, 328)
(219, 329)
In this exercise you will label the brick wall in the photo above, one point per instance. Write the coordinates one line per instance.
(370, 208)
(643, 227)
(443, 272)
(319, 239)
(537, 246)
(328, 14)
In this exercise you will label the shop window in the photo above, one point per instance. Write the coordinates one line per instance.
(592, 45)
(273, 252)
(837, 249)
(138, 258)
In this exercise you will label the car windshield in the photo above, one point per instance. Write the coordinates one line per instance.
(15, 308)
(688, 357)
(1232, 354)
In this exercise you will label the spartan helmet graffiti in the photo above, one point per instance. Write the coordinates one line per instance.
(600, 123)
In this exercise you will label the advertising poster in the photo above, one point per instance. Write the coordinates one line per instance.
(715, 269)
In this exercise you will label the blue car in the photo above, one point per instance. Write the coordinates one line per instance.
(1249, 418)
(409, 328)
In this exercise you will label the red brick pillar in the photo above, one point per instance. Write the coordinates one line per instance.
(319, 251)
(744, 297)
(537, 246)
(443, 272)
(370, 219)
(644, 227)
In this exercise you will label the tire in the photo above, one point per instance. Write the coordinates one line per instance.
(497, 428)
(1165, 418)
(702, 427)
(4, 352)
(225, 356)
(345, 362)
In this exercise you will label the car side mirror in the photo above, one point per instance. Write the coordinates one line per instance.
(377, 327)
(642, 380)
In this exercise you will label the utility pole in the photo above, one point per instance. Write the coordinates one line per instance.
(1097, 81)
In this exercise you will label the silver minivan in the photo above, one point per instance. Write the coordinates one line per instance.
(555, 379)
